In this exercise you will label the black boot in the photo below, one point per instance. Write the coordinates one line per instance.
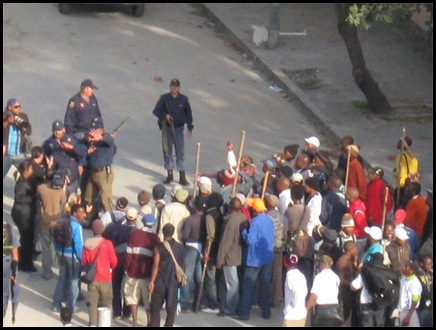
(183, 180)
(169, 177)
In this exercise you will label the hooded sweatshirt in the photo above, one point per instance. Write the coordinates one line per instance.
(107, 259)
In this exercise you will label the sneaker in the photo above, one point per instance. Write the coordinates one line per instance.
(210, 310)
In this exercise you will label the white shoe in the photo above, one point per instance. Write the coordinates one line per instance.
(210, 310)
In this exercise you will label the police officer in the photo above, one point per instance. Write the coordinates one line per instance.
(11, 243)
(81, 110)
(16, 126)
(68, 153)
(173, 112)
(101, 151)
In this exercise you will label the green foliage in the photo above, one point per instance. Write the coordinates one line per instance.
(364, 14)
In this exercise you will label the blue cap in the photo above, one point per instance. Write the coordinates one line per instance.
(11, 101)
(88, 83)
(148, 220)
(57, 125)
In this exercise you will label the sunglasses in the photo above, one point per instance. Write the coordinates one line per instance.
(17, 106)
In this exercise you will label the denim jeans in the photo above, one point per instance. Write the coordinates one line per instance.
(371, 317)
(8, 161)
(47, 250)
(210, 286)
(193, 274)
(168, 157)
(248, 290)
(68, 279)
(232, 286)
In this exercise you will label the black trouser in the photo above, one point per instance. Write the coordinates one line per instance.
(119, 307)
(27, 236)
(157, 299)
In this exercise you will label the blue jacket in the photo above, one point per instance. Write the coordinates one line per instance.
(259, 237)
(77, 236)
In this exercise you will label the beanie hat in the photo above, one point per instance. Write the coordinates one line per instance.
(122, 203)
(399, 217)
(143, 198)
(158, 191)
(181, 195)
(330, 236)
(290, 261)
(256, 204)
(97, 227)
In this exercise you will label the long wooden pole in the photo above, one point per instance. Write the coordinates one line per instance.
(265, 183)
(203, 276)
(385, 202)
(348, 168)
(241, 148)
(197, 161)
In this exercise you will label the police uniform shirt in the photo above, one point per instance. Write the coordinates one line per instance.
(80, 114)
(104, 154)
(67, 159)
(179, 108)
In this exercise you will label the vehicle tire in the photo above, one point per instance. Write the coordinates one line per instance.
(64, 8)
(138, 10)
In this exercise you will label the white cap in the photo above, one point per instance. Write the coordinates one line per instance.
(401, 233)
(131, 214)
(313, 140)
(297, 177)
(374, 232)
(204, 180)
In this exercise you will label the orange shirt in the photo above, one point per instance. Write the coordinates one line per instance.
(416, 214)
(357, 178)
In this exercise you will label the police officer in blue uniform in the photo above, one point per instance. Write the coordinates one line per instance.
(69, 154)
(81, 110)
(101, 151)
(173, 112)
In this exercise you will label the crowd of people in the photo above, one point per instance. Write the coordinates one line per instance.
(301, 236)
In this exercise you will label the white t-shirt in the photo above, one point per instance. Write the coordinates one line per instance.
(357, 283)
(408, 288)
(315, 206)
(326, 287)
(295, 295)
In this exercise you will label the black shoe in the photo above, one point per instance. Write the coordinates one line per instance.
(182, 179)
(169, 178)
(241, 317)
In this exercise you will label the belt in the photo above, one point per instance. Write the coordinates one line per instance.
(101, 169)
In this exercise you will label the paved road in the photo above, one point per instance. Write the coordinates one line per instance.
(46, 55)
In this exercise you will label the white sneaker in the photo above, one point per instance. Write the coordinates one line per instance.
(210, 310)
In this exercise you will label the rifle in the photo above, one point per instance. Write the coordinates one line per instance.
(120, 126)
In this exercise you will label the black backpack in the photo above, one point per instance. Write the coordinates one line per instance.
(62, 233)
(381, 282)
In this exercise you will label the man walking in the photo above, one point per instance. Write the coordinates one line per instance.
(173, 112)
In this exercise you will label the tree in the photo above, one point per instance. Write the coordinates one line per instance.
(351, 17)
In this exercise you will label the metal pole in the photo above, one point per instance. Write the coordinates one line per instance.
(274, 26)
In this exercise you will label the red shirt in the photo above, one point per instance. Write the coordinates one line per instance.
(357, 209)
(374, 202)
(107, 259)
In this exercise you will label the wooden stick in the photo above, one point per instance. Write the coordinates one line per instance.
(265, 183)
(203, 276)
(403, 136)
(348, 168)
(385, 203)
(197, 161)
(241, 148)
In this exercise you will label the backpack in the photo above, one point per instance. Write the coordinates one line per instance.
(62, 233)
(382, 283)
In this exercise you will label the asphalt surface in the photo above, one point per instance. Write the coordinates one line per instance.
(232, 85)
